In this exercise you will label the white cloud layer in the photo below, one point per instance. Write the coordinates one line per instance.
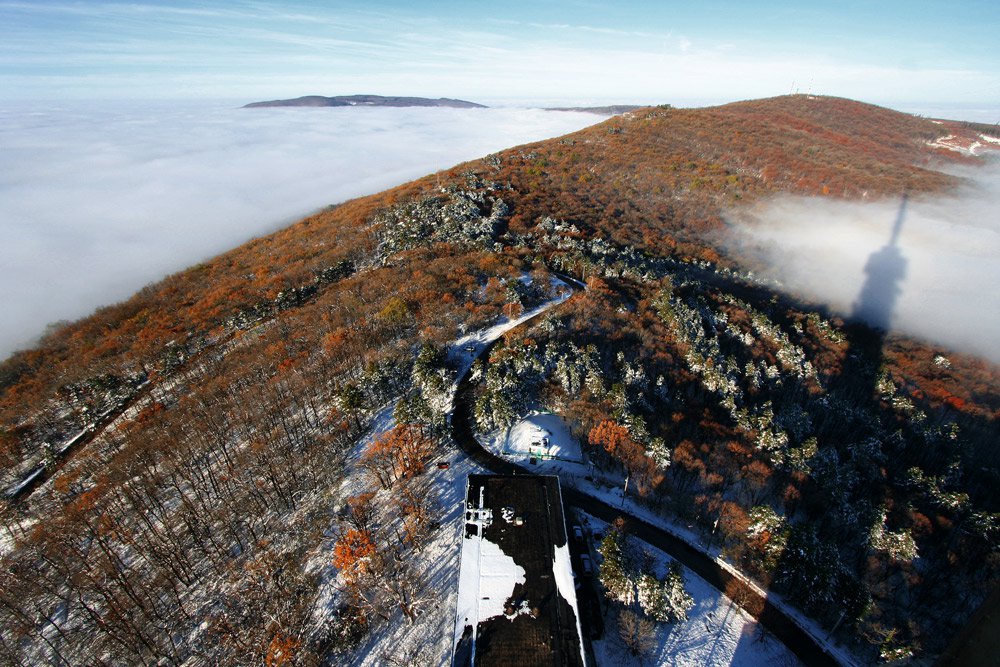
(96, 203)
(950, 245)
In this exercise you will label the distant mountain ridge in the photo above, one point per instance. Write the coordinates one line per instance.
(609, 110)
(366, 101)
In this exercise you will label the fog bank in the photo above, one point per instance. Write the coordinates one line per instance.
(947, 254)
(97, 202)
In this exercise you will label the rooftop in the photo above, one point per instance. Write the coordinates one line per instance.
(516, 599)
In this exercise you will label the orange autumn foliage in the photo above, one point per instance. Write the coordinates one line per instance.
(611, 436)
(400, 453)
(281, 651)
(352, 552)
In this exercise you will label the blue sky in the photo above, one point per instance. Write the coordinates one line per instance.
(908, 54)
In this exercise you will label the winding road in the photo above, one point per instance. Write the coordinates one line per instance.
(774, 619)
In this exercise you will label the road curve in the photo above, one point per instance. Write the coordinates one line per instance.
(776, 621)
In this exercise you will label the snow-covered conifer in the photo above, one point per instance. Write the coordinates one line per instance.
(614, 571)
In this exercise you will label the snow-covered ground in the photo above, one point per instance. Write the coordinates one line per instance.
(464, 351)
(429, 640)
(541, 435)
(964, 145)
(716, 633)
(609, 486)
(8, 538)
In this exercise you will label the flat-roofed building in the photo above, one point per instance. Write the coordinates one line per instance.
(516, 596)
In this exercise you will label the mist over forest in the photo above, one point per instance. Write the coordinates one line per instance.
(98, 201)
(950, 244)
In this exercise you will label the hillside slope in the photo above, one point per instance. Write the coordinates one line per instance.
(849, 469)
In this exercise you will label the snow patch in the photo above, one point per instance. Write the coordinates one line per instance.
(26, 482)
(487, 578)
(542, 435)
(964, 145)
(717, 632)
(562, 568)
(498, 575)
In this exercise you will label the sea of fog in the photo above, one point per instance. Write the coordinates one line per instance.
(97, 200)
(949, 248)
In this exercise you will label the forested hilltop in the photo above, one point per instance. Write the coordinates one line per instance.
(173, 462)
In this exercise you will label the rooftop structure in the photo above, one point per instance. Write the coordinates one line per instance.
(516, 599)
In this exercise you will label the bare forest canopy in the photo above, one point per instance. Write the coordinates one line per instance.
(211, 414)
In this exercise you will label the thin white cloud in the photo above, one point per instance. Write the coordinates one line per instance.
(167, 51)
(97, 203)
(571, 27)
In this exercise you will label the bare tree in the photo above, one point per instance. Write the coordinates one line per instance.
(637, 632)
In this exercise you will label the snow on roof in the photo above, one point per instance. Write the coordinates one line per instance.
(516, 599)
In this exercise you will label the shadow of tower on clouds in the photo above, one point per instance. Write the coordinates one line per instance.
(820, 567)
(884, 271)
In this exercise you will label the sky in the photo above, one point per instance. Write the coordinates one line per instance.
(909, 54)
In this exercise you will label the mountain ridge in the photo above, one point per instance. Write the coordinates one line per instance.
(609, 109)
(365, 101)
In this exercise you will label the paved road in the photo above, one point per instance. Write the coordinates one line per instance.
(771, 617)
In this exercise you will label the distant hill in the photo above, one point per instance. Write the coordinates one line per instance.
(610, 110)
(366, 101)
